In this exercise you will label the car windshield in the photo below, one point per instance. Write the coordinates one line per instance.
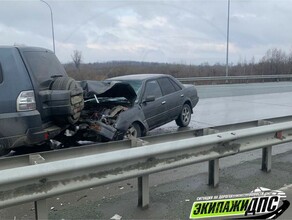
(136, 85)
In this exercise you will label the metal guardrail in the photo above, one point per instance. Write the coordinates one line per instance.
(86, 150)
(44, 179)
(246, 77)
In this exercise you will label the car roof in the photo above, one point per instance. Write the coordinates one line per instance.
(139, 76)
(25, 48)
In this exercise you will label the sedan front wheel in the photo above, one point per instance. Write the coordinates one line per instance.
(184, 118)
(133, 131)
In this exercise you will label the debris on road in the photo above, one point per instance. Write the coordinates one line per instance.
(116, 217)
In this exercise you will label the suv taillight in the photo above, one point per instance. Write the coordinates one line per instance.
(26, 101)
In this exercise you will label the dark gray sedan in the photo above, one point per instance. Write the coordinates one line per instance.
(162, 99)
(129, 106)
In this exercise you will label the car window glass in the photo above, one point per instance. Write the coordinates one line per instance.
(1, 74)
(136, 85)
(152, 88)
(44, 65)
(176, 86)
(166, 86)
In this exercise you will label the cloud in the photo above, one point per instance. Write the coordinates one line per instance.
(135, 22)
(165, 31)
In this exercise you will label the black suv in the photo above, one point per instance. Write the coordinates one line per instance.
(37, 98)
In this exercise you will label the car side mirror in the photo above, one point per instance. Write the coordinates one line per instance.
(149, 98)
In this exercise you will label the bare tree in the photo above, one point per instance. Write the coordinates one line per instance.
(77, 58)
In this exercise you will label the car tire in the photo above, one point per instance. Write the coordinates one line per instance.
(4, 147)
(4, 152)
(184, 118)
(134, 131)
(76, 97)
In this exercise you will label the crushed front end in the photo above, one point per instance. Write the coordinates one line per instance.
(103, 103)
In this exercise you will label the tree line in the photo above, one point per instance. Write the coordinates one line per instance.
(275, 61)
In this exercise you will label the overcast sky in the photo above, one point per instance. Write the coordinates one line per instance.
(188, 32)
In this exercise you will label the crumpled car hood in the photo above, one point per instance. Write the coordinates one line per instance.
(108, 89)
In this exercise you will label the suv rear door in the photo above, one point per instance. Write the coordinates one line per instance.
(43, 67)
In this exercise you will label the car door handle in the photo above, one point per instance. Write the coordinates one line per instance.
(182, 95)
(163, 102)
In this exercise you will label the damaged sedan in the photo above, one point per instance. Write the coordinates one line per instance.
(129, 106)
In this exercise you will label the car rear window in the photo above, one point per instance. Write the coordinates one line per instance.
(43, 65)
(166, 86)
(176, 86)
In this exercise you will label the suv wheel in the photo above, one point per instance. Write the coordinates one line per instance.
(76, 97)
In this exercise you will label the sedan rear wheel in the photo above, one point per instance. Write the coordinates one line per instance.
(134, 131)
(184, 118)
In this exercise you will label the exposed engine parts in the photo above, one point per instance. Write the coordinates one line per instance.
(97, 123)
(100, 120)
(107, 116)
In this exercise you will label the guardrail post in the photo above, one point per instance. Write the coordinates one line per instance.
(267, 159)
(213, 166)
(41, 210)
(213, 179)
(143, 191)
(267, 151)
(143, 181)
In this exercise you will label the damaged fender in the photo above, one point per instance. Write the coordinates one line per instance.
(127, 118)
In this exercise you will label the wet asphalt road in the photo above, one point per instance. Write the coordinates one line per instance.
(172, 192)
(235, 109)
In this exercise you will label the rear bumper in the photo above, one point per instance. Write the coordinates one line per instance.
(195, 101)
(23, 128)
